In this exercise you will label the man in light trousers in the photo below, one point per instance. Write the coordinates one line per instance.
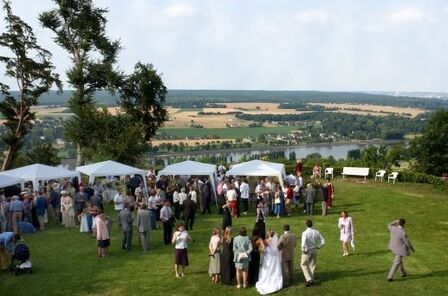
(312, 240)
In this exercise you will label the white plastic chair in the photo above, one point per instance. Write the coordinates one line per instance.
(393, 176)
(329, 171)
(380, 175)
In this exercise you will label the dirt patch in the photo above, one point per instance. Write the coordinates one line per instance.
(372, 109)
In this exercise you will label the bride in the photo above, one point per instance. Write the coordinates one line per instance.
(270, 279)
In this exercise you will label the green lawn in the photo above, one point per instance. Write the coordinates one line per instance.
(65, 262)
(226, 133)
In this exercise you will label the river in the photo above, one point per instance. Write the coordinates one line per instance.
(338, 151)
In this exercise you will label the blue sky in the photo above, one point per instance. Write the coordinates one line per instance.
(340, 45)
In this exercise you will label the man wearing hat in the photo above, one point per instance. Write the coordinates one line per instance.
(16, 210)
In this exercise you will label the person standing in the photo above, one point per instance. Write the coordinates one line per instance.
(16, 212)
(270, 279)
(118, 202)
(324, 196)
(214, 269)
(206, 196)
(180, 239)
(400, 245)
(242, 247)
(289, 195)
(232, 200)
(125, 220)
(257, 249)
(68, 212)
(227, 269)
(345, 224)
(167, 217)
(226, 216)
(310, 199)
(260, 222)
(312, 240)
(41, 207)
(144, 227)
(245, 192)
(189, 212)
(298, 169)
(81, 199)
(176, 203)
(287, 244)
(330, 193)
(55, 202)
(102, 234)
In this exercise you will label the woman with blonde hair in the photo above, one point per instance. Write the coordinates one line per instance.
(227, 267)
(214, 269)
(345, 225)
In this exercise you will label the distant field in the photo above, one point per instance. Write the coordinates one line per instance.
(189, 142)
(373, 109)
(227, 133)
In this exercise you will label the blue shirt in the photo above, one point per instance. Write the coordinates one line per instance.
(16, 206)
(41, 205)
(6, 238)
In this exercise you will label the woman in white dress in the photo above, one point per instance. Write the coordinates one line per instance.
(270, 279)
(345, 225)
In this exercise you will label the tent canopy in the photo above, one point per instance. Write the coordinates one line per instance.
(39, 172)
(188, 168)
(109, 168)
(191, 168)
(6, 181)
(258, 168)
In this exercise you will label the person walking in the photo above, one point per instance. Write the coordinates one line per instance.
(312, 240)
(125, 220)
(144, 227)
(345, 225)
(287, 244)
(400, 245)
(167, 217)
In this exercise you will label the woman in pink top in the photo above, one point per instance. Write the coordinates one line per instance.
(102, 235)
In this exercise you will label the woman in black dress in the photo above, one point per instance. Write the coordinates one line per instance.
(227, 265)
(226, 216)
(260, 223)
(254, 264)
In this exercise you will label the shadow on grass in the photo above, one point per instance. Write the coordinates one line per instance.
(432, 274)
(368, 254)
(327, 276)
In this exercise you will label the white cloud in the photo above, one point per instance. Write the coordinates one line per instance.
(313, 17)
(408, 16)
(179, 11)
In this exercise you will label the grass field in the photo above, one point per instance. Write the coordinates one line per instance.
(239, 132)
(65, 262)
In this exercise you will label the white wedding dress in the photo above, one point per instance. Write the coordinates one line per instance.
(270, 279)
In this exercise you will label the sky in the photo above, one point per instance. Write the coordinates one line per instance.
(326, 45)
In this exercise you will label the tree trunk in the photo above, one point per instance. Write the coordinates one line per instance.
(78, 155)
(8, 158)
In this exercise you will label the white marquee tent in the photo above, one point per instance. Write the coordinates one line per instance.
(258, 168)
(39, 172)
(191, 168)
(110, 168)
(6, 181)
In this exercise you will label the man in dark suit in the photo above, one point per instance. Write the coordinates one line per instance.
(189, 212)
(125, 219)
(400, 245)
(286, 244)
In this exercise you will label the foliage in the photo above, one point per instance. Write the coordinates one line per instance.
(143, 96)
(29, 65)
(431, 149)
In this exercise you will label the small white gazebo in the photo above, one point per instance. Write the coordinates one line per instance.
(259, 168)
(39, 172)
(191, 168)
(110, 168)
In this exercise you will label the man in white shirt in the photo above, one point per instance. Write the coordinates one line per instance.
(182, 197)
(118, 203)
(244, 191)
(312, 240)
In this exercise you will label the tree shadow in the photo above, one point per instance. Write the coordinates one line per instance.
(373, 253)
(431, 274)
(332, 275)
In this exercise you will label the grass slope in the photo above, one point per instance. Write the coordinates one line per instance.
(65, 263)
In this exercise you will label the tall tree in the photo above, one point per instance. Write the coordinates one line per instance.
(29, 65)
(143, 97)
(80, 29)
(431, 149)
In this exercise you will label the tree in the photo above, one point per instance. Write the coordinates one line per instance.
(80, 29)
(143, 96)
(44, 154)
(431, 149)
(29, 65)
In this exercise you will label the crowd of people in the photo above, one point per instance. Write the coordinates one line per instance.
(263, 259)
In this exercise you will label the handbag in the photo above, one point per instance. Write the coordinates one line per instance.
(277, 200)
(242, 256)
